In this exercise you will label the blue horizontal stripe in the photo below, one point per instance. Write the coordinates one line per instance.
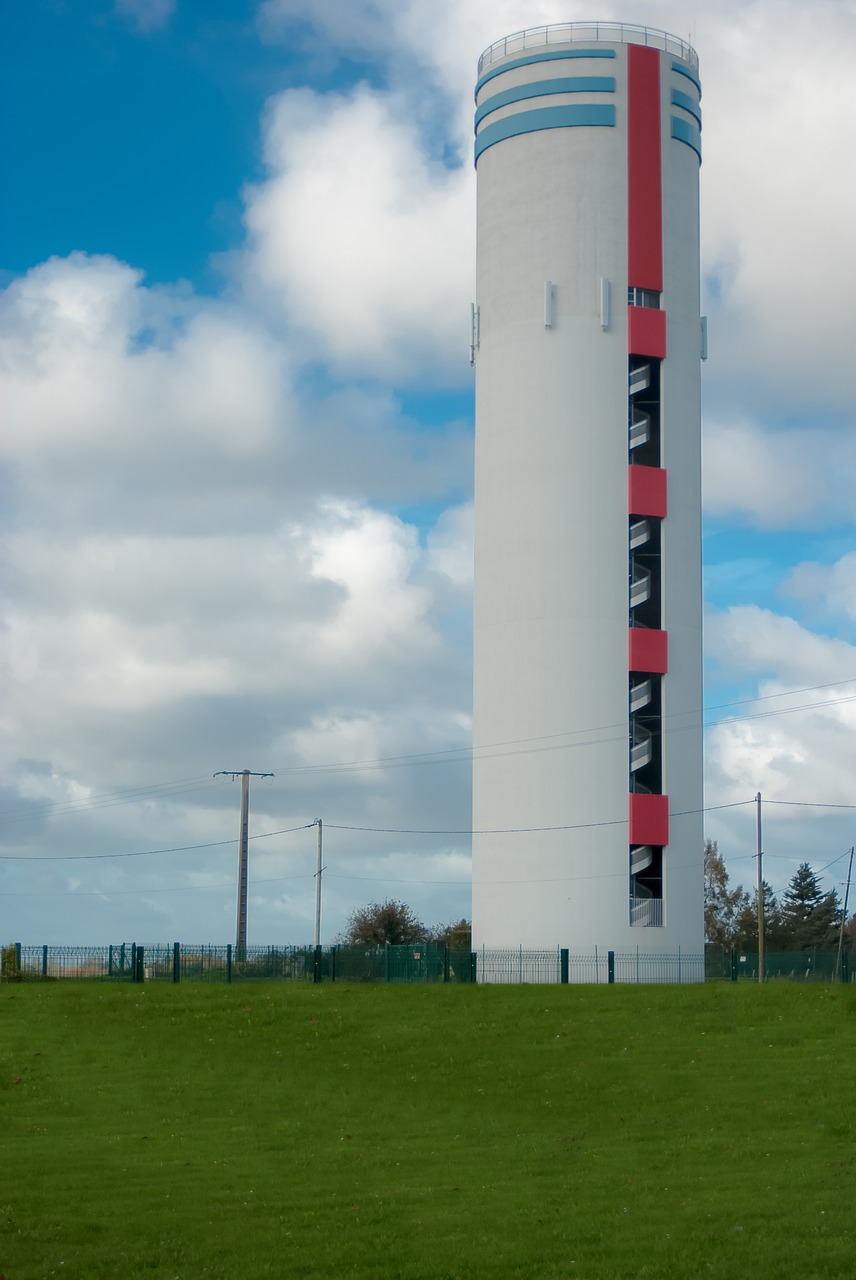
(544, 118)
(542, 57)
(682, 71)
(684, 100)
(688, 133)
(541, 88)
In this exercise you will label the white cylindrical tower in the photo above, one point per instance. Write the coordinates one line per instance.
(587, 773)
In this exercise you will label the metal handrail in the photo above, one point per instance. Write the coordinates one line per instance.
(573, 32)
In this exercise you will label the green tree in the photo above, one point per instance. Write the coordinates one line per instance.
(458, 937)
(383, 922)
(745, 936)
(722, 905)
(810, 917)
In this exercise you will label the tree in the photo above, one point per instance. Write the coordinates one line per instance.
(722, 905)
(745, 936)
(810, 917)
(383, 922)
(457, 937)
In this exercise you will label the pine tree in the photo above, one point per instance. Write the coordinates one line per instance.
(810, 918)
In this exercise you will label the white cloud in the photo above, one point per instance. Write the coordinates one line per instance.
(383, 616)
(795, 748)
(147, 15)
(364, 242)
(779, 479)
(133, 404)
(782, 751)
(832, 585)
(450, 546)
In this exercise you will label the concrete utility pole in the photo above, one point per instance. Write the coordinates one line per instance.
(243, 853)
(844, 914)
(760, 889)
(318, 870)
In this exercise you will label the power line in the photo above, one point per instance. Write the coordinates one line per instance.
(450, 755)
(411, 831)
(810, 804)
(183, 888)
(502, 831)
(141, 853)
(110, 799)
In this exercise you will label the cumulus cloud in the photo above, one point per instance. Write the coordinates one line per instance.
(794, 745)
(786, 752)
(450, 546)
(781, 479)
(362, 241)
(833, 586)
(169, 395)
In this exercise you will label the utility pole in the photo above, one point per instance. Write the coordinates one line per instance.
(318, 870)
(243, 853)
(760, 889)
(844, 913)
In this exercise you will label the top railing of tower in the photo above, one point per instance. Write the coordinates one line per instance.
(574, 32)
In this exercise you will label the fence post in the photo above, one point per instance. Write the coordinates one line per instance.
(110, 961)
(679, 964)
(845, 965)
(734, 967)
(228, 962)
(473, 966)
(176, 962)
(332, 964)
(610, 966)
(563, 964)
(18, 956)
(446, 963)
(386, 962)
(45, 960)
(133, 962)
(316, 965)
(139, 963)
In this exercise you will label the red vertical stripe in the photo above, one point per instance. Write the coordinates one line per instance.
(644, 176)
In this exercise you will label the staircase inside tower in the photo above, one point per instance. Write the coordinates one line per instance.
(646, 886)
(644, 568)
(644, 411)
(645, 706)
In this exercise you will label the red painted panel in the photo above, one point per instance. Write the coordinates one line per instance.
(649, 820)
(647, 650)
(646, 491)
(646, 332)
(644, 172)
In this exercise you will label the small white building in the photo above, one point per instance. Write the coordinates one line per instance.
(587, 775)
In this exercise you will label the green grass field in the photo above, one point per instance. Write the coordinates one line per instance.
(426, 1133)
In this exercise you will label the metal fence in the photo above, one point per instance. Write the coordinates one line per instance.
(573, 32)
(788, 966)
(427, 962)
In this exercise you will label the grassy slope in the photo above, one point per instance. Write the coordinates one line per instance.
(427, 1132)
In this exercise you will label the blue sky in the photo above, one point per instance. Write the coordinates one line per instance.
(237, 268)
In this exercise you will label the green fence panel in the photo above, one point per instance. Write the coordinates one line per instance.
(423, 963)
